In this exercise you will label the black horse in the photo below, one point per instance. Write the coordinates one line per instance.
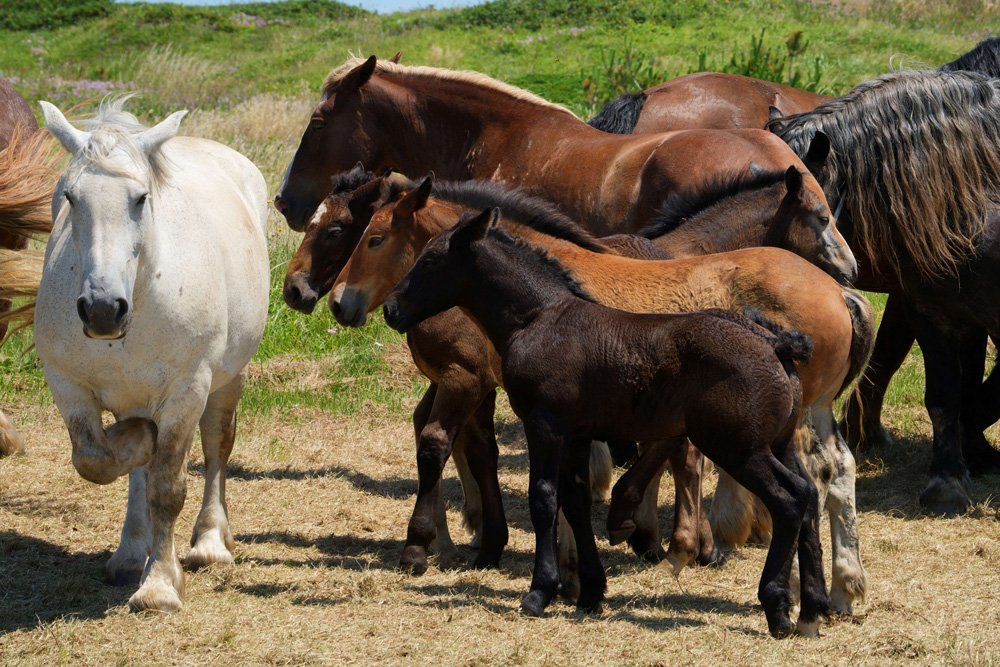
(914, 168)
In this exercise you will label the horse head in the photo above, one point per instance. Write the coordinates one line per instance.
(106, 197)
(334, 136)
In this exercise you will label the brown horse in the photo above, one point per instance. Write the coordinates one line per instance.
(704, 100)
(790, 290)
(732, 389)
(380, 113)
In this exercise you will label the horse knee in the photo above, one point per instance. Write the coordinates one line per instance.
(433, 445)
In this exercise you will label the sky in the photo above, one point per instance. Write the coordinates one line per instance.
(380, 6)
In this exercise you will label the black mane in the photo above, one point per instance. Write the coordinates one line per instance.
(518, 207)
(347, 181)
(538, 256)
(620, 115)
(684, 205)
(984, 58)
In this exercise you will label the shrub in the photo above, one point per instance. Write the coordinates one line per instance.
(48, 14)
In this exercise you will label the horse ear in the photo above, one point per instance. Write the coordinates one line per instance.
(72, 139)
(387, 174)
(415, 199)
(154, 137)
(359, 168)
(793, 180)
(756, 171)
(475, 229)
(358, 76)
(819, 151)
(395, 58)
(774, 113)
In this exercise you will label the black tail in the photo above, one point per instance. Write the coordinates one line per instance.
(620, 115)
(789, 345)
(862, 335)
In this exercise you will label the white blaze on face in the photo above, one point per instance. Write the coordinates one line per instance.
(318, 215)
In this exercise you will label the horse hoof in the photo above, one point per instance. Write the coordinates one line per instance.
(155, 597)
(715, 559)
(486, 562)
(207, 551)
(121, 578)
(622, 532)
(450, 561)
(569, 590)
(124, 571)
(945, 497)
(414, 560)
(781, 628)
(847, 588)
(476, 541)
(534, 603)
(808, 628)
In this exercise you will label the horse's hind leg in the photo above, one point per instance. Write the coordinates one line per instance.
(977, 412)
(545, 445)
(862, 422)
(731, 514)
(575, 501)
(632, 490)
(212, 539)
(692, 537)
(11, 441)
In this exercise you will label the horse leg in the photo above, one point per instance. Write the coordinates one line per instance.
(545, 445)
(731, 514)
(482, 457)
(786, 496)
(947, 492)
(848, 581)
(127, 563)
(472, 508)
(575, 501)
(623, 452)
(645, 539)
(162, 587)
(212, 539)
(442, 541)
(601, 471)
(687, 464)
(977, 396)
(631, 487)
(569, 561)
(11, 441)
(451, 406)
(862, 422)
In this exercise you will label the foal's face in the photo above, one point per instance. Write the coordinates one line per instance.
(811, 230)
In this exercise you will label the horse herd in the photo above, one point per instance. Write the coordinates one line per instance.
(677, 275)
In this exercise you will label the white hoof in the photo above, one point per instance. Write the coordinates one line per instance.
(125, 567)
(155, 596)
(810, 629)
(210, 548)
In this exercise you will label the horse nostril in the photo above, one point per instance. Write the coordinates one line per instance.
(295, 294)
(81, 310)
(280, 204)
(335, 308)
(121, 311)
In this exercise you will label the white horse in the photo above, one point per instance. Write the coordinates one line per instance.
(152, 301)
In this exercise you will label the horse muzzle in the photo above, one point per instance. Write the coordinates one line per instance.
(394, 317)
(299, 294)
(104, 319)
(349, 306)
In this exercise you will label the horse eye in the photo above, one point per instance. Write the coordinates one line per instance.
(318, 124)
(429, 262)
(374, 241)
(68, 198)
(141, 200)
(825, 219)
(335, 232)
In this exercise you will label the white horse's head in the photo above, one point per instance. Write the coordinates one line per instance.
(105, 195)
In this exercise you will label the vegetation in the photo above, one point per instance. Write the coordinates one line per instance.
(323, 471)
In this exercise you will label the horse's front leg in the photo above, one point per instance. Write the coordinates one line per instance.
(575, 501)
(162, 586)
(979, 407)
(212, 539)
(545, 450)
(947, 493)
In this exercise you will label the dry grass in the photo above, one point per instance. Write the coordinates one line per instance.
(319, 507)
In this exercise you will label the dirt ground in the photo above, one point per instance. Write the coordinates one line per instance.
(319, 507)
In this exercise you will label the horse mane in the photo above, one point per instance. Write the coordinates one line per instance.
(984, 58)
(332, 81)
(916, 156)
(688, 203)
(349, 181)
(114, 128)
(620, 115)
(518, 207)
(537, 256)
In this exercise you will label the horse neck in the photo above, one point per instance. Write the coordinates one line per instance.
(471, 135)
(742, 221)
(506, 294)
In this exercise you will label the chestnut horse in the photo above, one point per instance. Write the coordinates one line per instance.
(789, 289)
(484, 129)
(916, 165)
(577, 371)
(704, 100)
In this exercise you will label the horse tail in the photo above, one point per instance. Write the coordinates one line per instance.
(620, 115)
(789, 344)
(27, 181)
(20, 274)
(862, 335)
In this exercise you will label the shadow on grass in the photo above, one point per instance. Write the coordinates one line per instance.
(41, 582)
(349, 552)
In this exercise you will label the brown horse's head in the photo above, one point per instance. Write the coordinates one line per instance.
(330, 238)
(439, 274)
(809, 229)
(395, 236)
(333, 140)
